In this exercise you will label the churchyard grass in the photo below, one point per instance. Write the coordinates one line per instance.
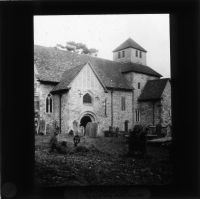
(99, 161)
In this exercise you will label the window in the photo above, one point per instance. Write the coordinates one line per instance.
(87, 99)
(123, 53)
(140, 54)
(119, 55)
(105, 104)
(137, 115)
(136, 53)
(49, 104)
(138, 85)
(123, 103)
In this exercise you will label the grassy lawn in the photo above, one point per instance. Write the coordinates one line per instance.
(103, 163)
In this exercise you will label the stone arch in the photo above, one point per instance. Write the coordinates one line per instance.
(88, 123)
(90, 114)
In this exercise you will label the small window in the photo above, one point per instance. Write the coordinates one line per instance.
(136, 53)
(137, 115)
(105, 104)
(123, 103)
(49, 104)
(119, 55)
(140, 54)
(123, 53)
(138, 85)
(87, 99)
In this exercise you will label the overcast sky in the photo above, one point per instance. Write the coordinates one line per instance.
(106, 32)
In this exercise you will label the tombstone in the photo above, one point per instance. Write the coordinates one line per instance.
(48, 129)
(158, 129)
(75, 127)
(42, 127)
(81, 130)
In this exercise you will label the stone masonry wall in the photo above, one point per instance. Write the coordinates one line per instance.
(73, 109)
(146, 113)
(134, 79)
(166, 105)
(162, 109)
(42, 91)
(130, 56)
(126, 58)
(119, 115)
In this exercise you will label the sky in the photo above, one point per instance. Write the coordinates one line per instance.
(106, 32)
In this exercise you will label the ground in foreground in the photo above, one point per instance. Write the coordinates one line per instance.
(100, 161)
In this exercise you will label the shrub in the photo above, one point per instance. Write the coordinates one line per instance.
(137, 141)
(80, 149)
(62, 147)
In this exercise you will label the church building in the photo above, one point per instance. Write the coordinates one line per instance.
(72, 90)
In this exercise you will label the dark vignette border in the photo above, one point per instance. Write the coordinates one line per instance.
(16, 64)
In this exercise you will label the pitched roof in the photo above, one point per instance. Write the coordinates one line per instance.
(153, 89)
(51, 63)
(67, 77)
(129, 43)
(139, 68)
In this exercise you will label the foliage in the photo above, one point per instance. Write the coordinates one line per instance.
(78, 47)
(88, 165)
(137, 141)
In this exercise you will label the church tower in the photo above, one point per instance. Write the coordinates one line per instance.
(130, 51)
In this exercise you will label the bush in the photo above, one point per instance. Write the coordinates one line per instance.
(71, 133)
(80, 149)
(62, 147)
(137, 141)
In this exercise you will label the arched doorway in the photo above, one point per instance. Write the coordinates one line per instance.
(89, 125)
(84, 120)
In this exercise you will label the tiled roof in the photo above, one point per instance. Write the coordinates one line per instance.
(67, 77)
(139, 68)
(153, 89)
(51, 63)
(129, 43)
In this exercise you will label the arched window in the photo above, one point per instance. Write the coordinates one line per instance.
(87, 98)
(49, 104)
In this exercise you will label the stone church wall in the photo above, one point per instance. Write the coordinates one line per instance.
(134, 79)
(73, 108)
(119, 115)
(43, 90)
(166, 105)
(162, 109)
(146, 113)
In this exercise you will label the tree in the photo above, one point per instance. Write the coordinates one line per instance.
(78, 47)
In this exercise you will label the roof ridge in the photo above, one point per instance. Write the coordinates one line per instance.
(166, 78)
(129, 43)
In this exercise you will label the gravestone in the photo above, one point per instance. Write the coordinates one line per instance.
(75, 127)
(42, 127)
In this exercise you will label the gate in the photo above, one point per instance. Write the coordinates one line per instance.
(91, 129)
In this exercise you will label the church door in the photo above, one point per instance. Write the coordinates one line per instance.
(91, 129)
